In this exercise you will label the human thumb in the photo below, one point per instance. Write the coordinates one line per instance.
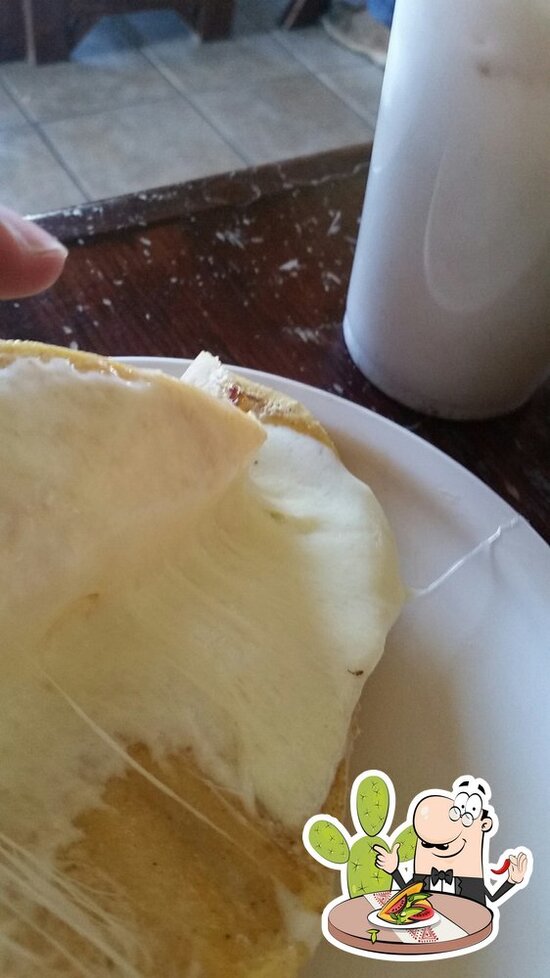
(30, 259)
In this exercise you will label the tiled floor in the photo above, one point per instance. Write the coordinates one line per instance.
(142, 103)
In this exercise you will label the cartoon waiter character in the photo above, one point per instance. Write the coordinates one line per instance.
(443, 910)
(452, 851)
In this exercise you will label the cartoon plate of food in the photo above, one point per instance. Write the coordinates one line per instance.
(409, 907)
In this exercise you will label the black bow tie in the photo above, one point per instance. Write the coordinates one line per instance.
(440, 874)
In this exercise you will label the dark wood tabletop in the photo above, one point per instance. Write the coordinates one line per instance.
(254, 266)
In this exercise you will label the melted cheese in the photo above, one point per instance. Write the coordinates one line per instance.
(174, 575)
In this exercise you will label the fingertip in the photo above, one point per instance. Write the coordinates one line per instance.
(48, 267)
(19, 280)
(31, 260)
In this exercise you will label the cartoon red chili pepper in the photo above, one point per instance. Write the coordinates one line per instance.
(502, 869)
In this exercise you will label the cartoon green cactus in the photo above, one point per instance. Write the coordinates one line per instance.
(329, 841)
(363, 873)
(373, 804)
(407, 840)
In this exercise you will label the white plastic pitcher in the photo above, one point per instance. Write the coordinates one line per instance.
(449, 301)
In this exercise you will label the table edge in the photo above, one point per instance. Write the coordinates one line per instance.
(234, 188)
(467, 940)
(410, 950)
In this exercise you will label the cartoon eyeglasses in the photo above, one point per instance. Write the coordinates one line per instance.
(466, 808)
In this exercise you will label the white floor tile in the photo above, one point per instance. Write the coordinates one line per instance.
(32, 180)
(92, 81)
(282, 118)
(358, 87)
(143, 146)
(317, 50)
(234, 65)
(9, 113)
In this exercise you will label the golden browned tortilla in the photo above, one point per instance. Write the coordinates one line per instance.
(177, 896)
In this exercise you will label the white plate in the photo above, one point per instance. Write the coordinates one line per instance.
(464, 686)
(374, 918)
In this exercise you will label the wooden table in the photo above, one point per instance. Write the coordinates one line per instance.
(348, 923)
(254, 266)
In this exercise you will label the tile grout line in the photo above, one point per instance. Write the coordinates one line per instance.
(174, 83)
(40, 123)
(36, 127)
(369, 118)
(7, 91)
(114, 108)
(178, 88)
(166, 73)
(62, 162)
(86, 112)
(276, 36)
(356, 61)
(172, 79)
(20, 104)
